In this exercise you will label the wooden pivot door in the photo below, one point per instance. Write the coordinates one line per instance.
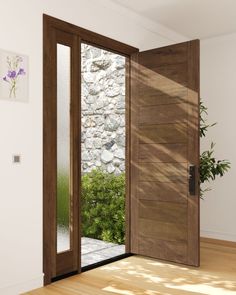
(165, 153)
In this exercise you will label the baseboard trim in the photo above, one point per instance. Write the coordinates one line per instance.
(23, 287)
(218, 235)
(225, 243)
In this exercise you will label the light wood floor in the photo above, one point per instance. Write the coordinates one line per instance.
(141, 276)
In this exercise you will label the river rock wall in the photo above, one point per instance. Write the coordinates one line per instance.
(103, 110)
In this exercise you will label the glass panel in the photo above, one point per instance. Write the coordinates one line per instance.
(103, 154)
(63, 147)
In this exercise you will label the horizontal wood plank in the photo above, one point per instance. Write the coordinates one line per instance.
(175, 152)
(166, 95)
(163, 211)
(166, 192)
(172, 251)
(174, 54)
(164, 133)
(163, 172)
(163, 114)
(162, 231)
(167, 76)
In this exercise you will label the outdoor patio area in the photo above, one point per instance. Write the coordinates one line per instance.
(92, 250)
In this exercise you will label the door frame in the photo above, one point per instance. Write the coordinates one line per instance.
(53, 30)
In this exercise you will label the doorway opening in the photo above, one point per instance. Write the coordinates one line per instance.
(103, 149)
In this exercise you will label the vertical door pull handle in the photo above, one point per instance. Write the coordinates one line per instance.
(192, 180)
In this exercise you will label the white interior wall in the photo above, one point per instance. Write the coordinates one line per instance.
(218, 89)
(21, 124)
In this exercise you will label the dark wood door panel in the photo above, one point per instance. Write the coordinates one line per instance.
(165, 136)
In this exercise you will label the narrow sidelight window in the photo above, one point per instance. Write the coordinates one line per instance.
(63, 146)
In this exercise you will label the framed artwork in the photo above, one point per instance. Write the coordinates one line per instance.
(14, 74)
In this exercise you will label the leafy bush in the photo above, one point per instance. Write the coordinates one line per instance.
(103, 205)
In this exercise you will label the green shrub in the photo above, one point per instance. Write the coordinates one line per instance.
(210, 167)
(103, 205)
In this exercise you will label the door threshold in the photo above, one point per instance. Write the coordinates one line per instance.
(92, 266)
(104, 262)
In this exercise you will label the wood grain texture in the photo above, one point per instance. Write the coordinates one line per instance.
(168, 55)
(127, 154)
(165, 192)
(150, 96)
(163, 133)
(157, 230)
(171, 250)
(165, 121)
(49, 149)
(159, 74)
(163, 153)
(162, 84)
(163, 211)
(59, 263)
(194, 149)
(133, 152)
(137, 275)
(163, 114)
(163, 172)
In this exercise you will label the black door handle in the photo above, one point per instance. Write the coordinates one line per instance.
(192, 180)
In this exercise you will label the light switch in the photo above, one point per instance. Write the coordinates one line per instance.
(16, 159)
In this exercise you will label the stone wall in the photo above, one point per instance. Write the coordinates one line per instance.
(103, 110)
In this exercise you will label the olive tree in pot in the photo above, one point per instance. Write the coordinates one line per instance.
(210, 167)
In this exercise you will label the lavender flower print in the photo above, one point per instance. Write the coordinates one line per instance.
(14, 73)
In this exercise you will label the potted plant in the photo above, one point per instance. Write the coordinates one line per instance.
(210, 167)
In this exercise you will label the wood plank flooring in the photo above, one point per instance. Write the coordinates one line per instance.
(137, 275)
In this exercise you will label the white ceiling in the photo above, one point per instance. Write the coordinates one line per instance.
(191, 18)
